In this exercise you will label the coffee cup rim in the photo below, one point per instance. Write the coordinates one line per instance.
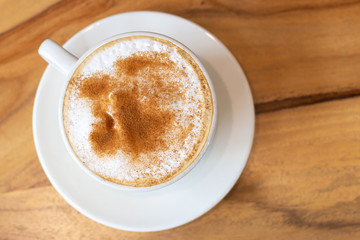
(210, 135)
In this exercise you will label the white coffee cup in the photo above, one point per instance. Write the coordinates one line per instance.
(67, 63)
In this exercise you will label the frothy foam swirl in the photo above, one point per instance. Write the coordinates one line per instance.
(137, 111)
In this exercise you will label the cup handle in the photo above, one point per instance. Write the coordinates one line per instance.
(57, 56)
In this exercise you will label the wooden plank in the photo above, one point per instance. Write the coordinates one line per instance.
(302, 181)
(20, 167)
(292, 53)
(16, 12)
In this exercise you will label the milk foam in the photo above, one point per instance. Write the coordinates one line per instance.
(157, 164)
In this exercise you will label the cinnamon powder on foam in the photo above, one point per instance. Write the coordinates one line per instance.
(130, 125)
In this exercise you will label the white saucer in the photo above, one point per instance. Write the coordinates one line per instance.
(198, 191)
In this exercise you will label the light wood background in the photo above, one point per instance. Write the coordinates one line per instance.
(302, 60)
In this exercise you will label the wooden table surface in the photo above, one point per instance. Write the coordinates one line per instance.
(302, 60)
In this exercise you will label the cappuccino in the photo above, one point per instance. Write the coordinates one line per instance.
(138, 111)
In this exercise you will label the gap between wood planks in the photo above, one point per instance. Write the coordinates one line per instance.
(304, 100)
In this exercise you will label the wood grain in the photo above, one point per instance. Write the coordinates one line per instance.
(289, 51)
(302, 181)
(302, 60)
(15, 13)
